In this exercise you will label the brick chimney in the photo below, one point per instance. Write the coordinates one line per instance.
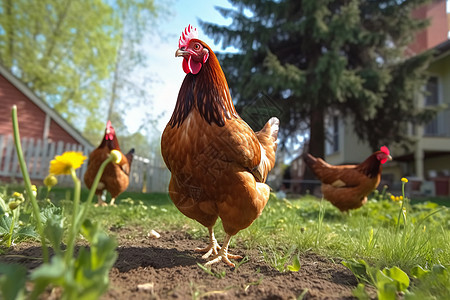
(436, 32)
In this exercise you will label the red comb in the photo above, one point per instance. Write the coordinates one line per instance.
(188, 34)
(385, 150)
(109, 133)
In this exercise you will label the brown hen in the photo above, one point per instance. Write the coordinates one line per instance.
(115, 178)
(218, 163)
(347, 186)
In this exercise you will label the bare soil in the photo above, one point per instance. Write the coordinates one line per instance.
(166, 268)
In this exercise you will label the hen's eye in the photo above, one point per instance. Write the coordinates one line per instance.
(196, 46)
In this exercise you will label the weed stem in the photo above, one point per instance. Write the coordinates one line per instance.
(26, 179)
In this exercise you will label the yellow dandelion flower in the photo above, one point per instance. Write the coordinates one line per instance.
(392, 197)
(405, 180)
(400, 197)
(62, 164)
(397, 198)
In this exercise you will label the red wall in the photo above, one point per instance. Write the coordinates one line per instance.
(437, 31)
(31, 117)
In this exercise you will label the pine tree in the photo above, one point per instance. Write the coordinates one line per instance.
(310, 58)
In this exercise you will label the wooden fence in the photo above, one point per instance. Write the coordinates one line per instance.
(147, 174)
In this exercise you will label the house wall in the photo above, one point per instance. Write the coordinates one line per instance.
(351, 149)
(441, 68)
(437, 166)
(437, 32)
(31, 117)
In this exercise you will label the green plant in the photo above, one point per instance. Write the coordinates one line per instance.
(216, 274)
(430, 284)
(388, 282)
(11, 228)
(82, 276)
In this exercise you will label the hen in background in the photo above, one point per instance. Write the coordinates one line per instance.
(115, 178)
(218, 164)
(347, 186)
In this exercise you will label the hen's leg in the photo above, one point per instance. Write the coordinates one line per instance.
(223, 254)
(112, 201)
(100, 201)
(213, 245)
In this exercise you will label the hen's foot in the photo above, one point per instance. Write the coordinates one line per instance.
(101, 203)
(213, 247)
(224, 256)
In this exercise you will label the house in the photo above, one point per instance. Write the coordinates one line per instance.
(427, 164)
(430, 159)
(43, 131)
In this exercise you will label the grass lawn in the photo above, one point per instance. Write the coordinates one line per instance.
(379, 238)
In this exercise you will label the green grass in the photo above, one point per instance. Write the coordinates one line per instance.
(289, 228)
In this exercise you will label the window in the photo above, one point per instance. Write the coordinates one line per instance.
(332, 142)
(432, 99)
(335, 134)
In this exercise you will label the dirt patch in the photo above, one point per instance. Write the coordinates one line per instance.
(166, 268)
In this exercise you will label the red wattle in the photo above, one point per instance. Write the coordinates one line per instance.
(185, 66)
(194, 66)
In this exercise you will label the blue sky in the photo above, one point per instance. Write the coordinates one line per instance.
(163, 67)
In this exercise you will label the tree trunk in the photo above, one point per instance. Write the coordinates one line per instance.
(316, 148)
(317, 133)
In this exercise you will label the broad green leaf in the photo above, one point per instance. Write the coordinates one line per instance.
(28, 231)
(382, 278)
(359, 268)
(419, 272)
(295, 267)
(386, 289)
(54, 270)
(3, 206)
(12, 281)
(400, 278)
(54, 230)
(5, 224)
(92, 265)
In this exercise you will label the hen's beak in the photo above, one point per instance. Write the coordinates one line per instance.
(389, 158)
(182, 53)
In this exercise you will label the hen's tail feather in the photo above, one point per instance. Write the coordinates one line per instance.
(309, 160)
(130, 156)
(267, 137)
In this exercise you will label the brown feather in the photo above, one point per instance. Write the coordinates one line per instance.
(115, 176)
(346, 186)
(211, 153)
(208, 92)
